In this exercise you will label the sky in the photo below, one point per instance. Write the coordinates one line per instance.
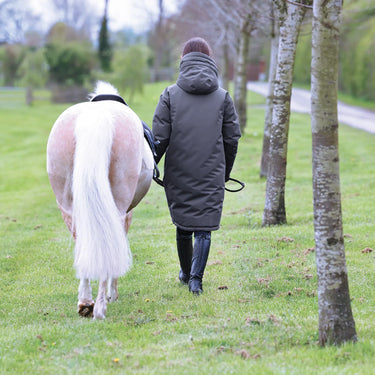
(134, 14)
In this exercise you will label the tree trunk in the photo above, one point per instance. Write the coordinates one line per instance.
(269, 99)
(225, 72)
(240, 85)
(29, 96)
(336, 323)
(105, 51)
(159, 42)
(291, 17)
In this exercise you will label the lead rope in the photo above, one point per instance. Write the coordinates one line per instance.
(238, 182)
(156, 175)
(160, 182)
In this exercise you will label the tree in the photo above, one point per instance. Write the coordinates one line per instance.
(70, 60)
(33, 72)
(240, 84)
(271, 87)
(69, 63)
(159, 43)
(130, 70)
(336, 323)
(244, 18)
(290, 18)
(79, 15)
(12, 58)
(15, 20)
(105, 49)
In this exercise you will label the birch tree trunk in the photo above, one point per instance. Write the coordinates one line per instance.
(225, 73)
(291, 17)
(240, 84)
(269, 99)
(336, 323)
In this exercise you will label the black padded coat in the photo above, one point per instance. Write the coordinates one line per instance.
(197, 126)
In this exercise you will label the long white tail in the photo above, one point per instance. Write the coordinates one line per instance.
(101, 250)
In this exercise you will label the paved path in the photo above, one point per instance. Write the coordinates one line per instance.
(353, 116)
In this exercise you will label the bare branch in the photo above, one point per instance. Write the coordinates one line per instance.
(299, 4)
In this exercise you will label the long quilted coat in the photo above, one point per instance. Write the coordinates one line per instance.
(197, 126)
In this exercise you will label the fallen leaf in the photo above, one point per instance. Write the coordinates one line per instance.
(272, 318)
(244, 353)
(222, 287)
(264, 280)
(249, 321)
(215, 263)
(367, 250)
(285, 239)
(309, 250)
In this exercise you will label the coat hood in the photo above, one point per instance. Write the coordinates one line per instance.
(198, 74)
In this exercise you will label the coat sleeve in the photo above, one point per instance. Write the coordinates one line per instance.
(231, 134)
(161, 124)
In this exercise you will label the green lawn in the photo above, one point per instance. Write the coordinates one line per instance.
(258, 314)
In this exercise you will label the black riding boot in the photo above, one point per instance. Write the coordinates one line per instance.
(202, 242)
(185, 252)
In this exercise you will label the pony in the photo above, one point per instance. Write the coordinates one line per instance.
(100, 166)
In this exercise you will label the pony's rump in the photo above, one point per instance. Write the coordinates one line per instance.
(102, 249)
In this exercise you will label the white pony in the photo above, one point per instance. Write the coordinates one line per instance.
(100, 166)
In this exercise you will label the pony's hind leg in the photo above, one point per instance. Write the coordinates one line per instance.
(112, 292)
(85, 301)
(100, 308)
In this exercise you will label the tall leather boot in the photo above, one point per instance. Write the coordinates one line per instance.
(201, 250)
(185, 252)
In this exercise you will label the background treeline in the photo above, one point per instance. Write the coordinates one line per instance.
(67, 55)
(357, 51)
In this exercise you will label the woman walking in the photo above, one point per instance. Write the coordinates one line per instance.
(197, 127)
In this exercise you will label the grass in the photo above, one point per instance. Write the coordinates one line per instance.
(259, 312)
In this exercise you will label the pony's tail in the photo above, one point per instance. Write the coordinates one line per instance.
(101, 250)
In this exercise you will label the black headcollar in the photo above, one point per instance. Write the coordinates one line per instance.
(101, 97)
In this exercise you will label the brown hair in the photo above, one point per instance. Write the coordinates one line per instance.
(196, 45)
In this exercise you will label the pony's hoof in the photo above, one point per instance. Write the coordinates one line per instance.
(86, 310)
(99, 314)
(99, 317)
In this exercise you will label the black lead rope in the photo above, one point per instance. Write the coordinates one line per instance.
(156, 175)
(160, 182)
(238, 182)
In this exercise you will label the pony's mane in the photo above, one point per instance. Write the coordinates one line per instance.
(103, 88)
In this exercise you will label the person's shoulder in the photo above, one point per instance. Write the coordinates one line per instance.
(222, 90)
(169, 89)
(222, 93)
